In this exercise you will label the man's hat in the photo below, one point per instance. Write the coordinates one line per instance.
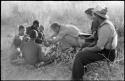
(100, 11)
(89, 11)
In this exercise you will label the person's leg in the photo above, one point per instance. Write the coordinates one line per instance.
(83, 58)
(14, 55)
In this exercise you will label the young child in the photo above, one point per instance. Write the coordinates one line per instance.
(17, 41)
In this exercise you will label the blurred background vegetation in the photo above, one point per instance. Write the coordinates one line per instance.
(68, 12)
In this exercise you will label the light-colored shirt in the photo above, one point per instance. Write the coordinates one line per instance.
(107, 36)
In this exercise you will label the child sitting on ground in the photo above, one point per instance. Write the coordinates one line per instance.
(18, 39)
(33, 53)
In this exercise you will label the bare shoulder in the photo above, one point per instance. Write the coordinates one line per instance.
(73, 27)
(69, 27)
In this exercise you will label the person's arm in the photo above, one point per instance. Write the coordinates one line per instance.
(59, 36)
(16, 42)
(48, 42)
(54, 35)
(43, 36)
(92, 36)
(12, 44)
(103, 36)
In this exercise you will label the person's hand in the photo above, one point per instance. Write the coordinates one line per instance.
(46, 43)
(86, 48)
(26, 39)
(94, 48)
(90, 37)
(50, 41)
(92, 44)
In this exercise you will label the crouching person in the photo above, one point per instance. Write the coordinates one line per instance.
(32, 52)
(104, 48)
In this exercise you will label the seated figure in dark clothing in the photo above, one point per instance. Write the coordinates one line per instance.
(105, 48)
(17, 41)
(36, 27)
(92, 39)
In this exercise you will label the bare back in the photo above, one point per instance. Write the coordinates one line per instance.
(70, 30)
(71, 35)
(30, 51)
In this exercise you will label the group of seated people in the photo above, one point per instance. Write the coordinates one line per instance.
(28, 42)
(100, 44)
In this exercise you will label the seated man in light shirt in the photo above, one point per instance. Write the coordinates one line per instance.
(105, 46)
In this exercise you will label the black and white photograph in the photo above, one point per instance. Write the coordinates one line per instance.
(62, 40)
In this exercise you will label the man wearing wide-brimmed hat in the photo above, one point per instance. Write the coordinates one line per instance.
(104, 48)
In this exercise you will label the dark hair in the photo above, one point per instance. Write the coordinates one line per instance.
(55, 25)
(21, 27)
(36, 22)
(89, 11)
(33, 34)
(99, 16)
